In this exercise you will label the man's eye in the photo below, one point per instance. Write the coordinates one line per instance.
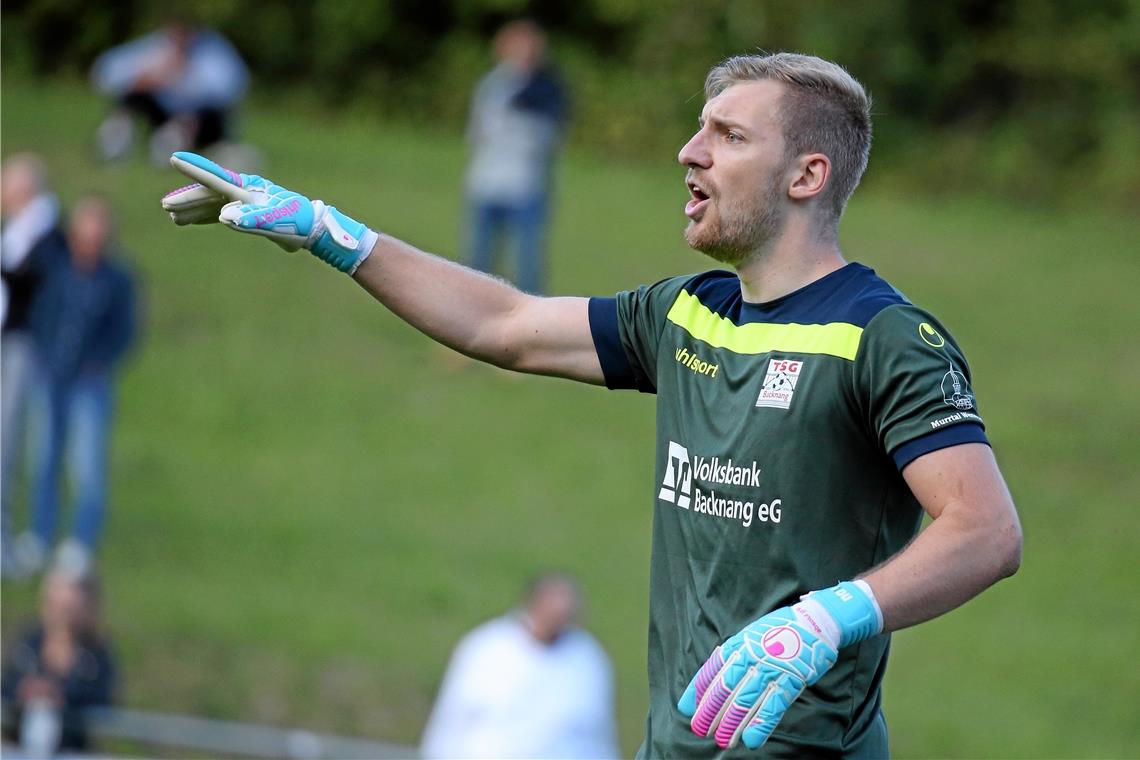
(732, 137)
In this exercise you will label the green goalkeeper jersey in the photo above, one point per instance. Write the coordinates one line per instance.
(782, 432)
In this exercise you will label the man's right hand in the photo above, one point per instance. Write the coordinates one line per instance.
(202, 202)
(249, 203)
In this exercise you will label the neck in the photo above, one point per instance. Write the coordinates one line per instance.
(540, 634)
(797, 257)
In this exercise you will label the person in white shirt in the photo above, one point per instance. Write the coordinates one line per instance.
(32, 248)
(529, 684)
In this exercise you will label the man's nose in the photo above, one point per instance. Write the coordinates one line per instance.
(695, 154)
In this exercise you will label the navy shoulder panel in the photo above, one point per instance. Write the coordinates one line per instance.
(852, 294)
(718, 290)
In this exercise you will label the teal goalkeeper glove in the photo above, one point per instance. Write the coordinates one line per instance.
(253, 204)
(743, 690)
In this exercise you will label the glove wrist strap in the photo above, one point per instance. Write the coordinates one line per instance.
(340, 241)
(852, 606)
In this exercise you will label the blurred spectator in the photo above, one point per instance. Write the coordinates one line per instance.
(60, 665)
(182, 81)
(32, 246)
(530, 684)
(515, 129)
(83, 321)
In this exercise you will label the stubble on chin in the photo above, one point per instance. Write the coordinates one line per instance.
(735, 240)
(707, 237)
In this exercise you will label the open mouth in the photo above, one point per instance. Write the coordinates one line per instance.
(699, 199)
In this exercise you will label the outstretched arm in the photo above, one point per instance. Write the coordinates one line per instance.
(481, 315)
(471, 312)
(973, 542)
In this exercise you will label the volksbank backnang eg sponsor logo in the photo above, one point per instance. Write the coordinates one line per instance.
(688, 479)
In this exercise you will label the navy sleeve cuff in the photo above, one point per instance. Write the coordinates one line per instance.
(607, 342)
(966, 432)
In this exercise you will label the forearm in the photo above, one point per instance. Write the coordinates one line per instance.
(457, 306)
(960, 554)
(481, 315)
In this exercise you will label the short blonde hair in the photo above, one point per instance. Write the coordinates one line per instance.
(823, 110)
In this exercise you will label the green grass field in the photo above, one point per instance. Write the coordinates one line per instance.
(311, 502)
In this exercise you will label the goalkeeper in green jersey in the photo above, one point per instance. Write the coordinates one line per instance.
(809, 415)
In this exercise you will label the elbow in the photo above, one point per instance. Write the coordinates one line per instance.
(1008, 549)
(508, 343)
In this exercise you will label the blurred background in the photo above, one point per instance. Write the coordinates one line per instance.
(310, 503)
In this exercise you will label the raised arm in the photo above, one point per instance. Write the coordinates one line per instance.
(471, 312)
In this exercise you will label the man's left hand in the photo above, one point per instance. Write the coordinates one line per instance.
(743, 690)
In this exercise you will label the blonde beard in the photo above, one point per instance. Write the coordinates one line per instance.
(735, 236)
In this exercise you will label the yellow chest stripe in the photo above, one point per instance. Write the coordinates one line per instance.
(834, 339)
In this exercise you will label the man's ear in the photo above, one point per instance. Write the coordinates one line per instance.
(812, 172)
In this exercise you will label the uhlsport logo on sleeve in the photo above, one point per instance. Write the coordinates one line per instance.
(715, 487)
(780, 383)
(930, 336)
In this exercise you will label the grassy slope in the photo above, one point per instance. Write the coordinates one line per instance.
(311, 503)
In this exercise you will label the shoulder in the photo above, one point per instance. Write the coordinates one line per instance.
(905, 320)
(118, 274)
(709, 288)
(716, 290)
(675, 297)
(51, 249)
(25, 652)
(582, 652)
(854, 294)
(586, 646)
(491, 635)
(210, 39)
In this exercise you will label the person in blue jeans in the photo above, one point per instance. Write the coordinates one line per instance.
(517, 118)
(83, 322)
(32, 247)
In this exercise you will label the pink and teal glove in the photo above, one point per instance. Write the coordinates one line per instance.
(253, 204)
(743, 690)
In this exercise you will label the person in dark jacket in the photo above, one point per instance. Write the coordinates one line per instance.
(518, 118)
(62, 664)
(82, 323)
(33, 246)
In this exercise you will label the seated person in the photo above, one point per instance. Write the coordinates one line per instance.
(62, 660)
(182, 81)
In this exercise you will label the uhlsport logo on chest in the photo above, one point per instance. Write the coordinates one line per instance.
(780, 382)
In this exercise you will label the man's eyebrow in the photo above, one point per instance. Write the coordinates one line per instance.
(722, 124)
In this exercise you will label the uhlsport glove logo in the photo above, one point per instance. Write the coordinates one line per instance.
(783, 643)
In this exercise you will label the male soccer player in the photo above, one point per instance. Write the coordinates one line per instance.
(807, 415)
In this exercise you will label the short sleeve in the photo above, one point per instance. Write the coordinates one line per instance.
(915, 385)
(627, 331)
